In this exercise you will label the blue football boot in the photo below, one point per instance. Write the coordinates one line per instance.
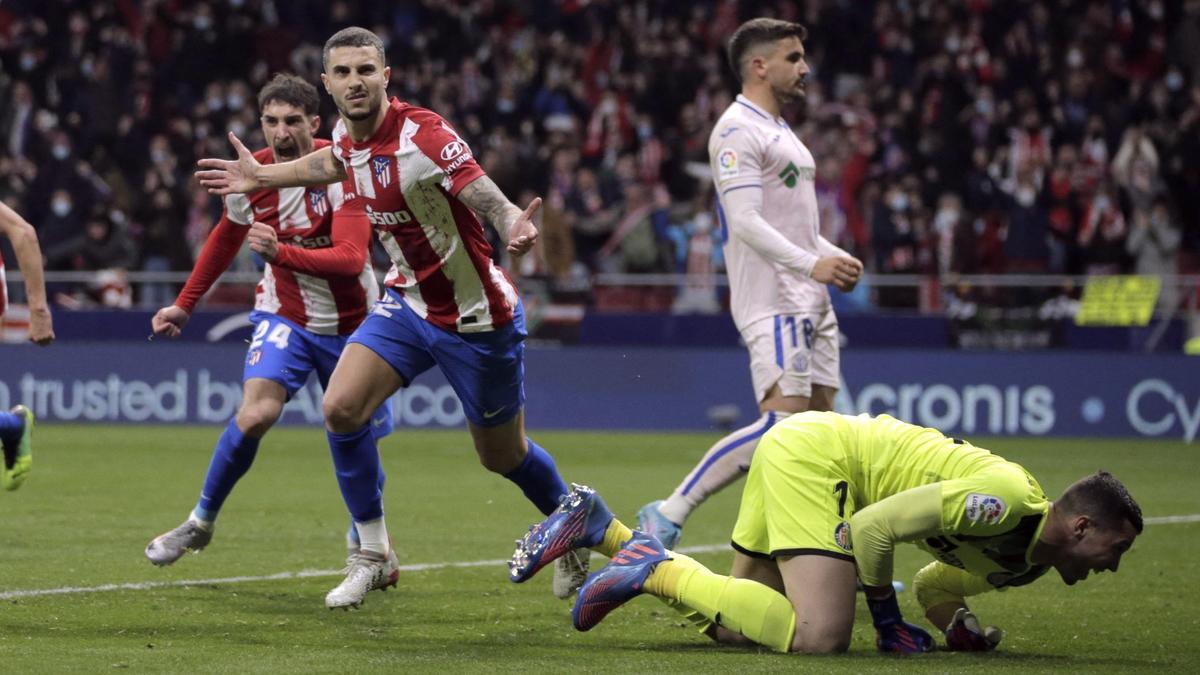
(579, 522)
(619, 582)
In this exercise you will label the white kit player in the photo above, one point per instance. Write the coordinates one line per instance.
(778, 263)
(315, 291)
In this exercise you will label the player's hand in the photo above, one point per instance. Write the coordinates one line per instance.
(41, 327)
(903, 638)
(847, 285)
(169, 321)
(522, 233)
(224, 176)
(264, 241)
(841, 271)
(965, 634)
(892, 632)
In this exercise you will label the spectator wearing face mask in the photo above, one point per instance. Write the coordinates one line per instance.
(61, 224)
(1025, 244)
(1102, 233)
(1154, 244)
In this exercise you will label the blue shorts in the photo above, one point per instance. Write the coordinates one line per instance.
(486, 370)
(283, 352)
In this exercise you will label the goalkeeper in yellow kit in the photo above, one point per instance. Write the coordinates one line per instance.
(827, 499)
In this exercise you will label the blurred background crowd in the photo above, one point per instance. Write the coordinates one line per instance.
(968, 136)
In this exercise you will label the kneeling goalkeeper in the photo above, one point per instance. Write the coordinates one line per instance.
(827, 499)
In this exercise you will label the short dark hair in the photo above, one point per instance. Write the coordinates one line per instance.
(1102, 497)
(354, 36)
(292, 90)
(756, 32)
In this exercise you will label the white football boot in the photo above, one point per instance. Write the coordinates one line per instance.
(365, 572)
(170, 546)
(570, 571)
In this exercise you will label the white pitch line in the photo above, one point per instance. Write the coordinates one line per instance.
(304, 574)
(1171, 520)
(418, 567)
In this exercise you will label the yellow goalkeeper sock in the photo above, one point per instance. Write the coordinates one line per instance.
(740, 605)
(616, 534)
(702, 623)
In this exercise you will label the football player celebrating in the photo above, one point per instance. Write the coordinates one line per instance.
(16, 425)
(315, 290)
(827, 493)
(446, 303)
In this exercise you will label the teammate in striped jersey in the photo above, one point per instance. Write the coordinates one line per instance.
(16, 425)
(315, 290)
(779, 264)
(446, 303)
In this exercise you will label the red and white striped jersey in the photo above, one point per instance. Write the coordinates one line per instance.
(408, 174)
(327, 304)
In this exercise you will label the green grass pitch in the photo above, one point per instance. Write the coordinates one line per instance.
(98, 494)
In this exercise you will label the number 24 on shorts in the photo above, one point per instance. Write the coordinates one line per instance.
(278, 337)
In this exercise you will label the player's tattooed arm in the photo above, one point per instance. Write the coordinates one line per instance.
(484, 197)
(318, 168)
(514, 225)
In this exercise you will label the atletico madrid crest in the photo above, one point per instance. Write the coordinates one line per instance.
(317, 202)
(382, 168)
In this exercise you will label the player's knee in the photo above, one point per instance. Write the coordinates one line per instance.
(256, 418)
(821, 642)
(500, 458)
(342, 414)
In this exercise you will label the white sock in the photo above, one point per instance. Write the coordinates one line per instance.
(675, 508)
(726, 461)
(373, 536)
(204, 524)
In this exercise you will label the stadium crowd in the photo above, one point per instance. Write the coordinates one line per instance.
(966, 136)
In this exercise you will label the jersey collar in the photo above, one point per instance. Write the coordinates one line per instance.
(741, 98)
(1037, 534)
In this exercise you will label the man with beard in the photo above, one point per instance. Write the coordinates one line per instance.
(829, 498)
(778, 262)
(446, 303)
(314, 292)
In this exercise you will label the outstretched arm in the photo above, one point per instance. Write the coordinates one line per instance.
(247, 174)
(29, 260)
(516, 226)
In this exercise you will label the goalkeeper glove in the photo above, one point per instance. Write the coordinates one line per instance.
(964, 634)
(892, 632)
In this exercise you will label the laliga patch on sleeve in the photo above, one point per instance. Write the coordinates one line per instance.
(986, 509)
(727, 164)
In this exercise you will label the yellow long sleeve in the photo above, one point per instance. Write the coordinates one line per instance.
(906, 516)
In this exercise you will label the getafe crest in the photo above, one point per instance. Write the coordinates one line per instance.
(317, 201)
(841, 536)
(382, 168)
